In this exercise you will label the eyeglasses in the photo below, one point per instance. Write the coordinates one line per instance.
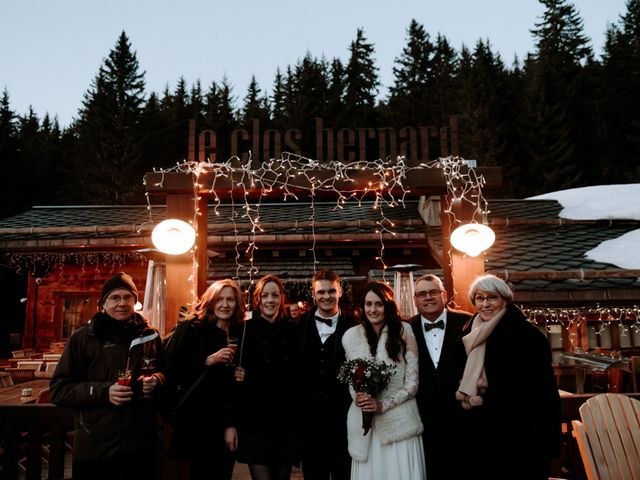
(120, 298)
(428, 293)
(479, 299)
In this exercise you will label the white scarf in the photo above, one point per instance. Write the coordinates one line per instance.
(474, 378)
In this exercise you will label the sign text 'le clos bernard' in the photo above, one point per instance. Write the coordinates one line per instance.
(416, 144)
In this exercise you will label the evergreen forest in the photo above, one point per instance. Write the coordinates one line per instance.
(557, 119)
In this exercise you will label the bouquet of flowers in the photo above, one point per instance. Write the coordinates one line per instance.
(367, 375)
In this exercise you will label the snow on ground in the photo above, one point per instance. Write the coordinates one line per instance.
(605, 202)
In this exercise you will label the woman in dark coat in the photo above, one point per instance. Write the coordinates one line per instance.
(511, 426)
(199, 365)
(267, 392)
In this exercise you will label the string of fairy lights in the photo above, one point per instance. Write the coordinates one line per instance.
(39, 264)
(291, 174)
(602, 320)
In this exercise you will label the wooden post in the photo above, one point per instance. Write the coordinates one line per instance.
(181, 289)
(465, 269)
(186, 275)
(460, 270)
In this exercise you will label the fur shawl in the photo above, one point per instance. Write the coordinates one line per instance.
(399, 418)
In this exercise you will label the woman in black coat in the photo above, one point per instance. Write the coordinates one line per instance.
(267, 392)
(200, 368)
(511, 426)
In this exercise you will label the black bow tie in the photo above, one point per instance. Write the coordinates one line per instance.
(431, 325)
(327, 321)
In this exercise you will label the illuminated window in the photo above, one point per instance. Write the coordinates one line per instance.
(76, 311)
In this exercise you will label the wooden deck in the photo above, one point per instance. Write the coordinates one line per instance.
(26, 428)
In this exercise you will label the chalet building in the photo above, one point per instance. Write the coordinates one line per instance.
(64, 255)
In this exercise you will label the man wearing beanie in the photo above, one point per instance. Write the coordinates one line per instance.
(115, 425)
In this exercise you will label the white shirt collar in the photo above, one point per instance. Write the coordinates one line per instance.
(442, 316)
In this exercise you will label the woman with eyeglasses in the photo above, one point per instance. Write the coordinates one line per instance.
(508, 390)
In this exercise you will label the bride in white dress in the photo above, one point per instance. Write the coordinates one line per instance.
(393, 447)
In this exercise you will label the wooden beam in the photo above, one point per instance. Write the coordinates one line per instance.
(181, 276)
(511, 275)
(419, 182)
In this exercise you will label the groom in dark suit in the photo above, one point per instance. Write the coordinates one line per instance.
(442, 358)
(325, 400)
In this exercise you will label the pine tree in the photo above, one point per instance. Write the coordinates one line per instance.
(362, 82)
(278, 101)
(484, 115)
(620, 94)
(335, 93)
(10, 160)
(442, 95)
(195, 104)
(108, 153)
(413, 72)
(558, 126)
(7, 133)
(310, 86)
(256, 106)
(220, 115)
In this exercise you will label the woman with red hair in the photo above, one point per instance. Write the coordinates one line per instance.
(267, 439)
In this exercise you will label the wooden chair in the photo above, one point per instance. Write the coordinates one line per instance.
(44, 396)
(609, 437)
(30, 364)
(50, 367)
(51, 357)
(5, 379)
(21, 375)
(634, 362)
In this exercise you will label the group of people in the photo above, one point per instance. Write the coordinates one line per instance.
(256, 388)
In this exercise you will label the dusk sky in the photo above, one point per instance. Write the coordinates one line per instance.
(51, 50)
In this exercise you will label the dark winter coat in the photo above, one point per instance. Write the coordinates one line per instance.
(204, 395)
(88, 367)
(517, 429)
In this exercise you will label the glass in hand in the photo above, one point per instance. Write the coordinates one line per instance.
(148, 367)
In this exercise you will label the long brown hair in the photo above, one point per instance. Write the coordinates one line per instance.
(257, 294)
(204, 307)
(395, 345)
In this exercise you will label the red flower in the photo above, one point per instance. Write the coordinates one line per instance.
(359, 376)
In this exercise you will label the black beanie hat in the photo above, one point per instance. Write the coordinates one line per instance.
(121, 280)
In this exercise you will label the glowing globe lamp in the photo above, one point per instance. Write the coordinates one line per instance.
(472, 238)
(173, 236)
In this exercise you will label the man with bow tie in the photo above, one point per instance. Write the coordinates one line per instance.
(325, 401)
(442, 357)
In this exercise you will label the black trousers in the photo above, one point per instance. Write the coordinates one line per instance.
(325, 455)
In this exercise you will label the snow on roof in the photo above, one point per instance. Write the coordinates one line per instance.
(605, 202)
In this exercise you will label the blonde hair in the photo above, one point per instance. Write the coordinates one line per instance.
(204, 307)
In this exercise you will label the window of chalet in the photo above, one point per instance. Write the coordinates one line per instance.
(76, 311)
(629, 336)
(554, 335)
(601, 339)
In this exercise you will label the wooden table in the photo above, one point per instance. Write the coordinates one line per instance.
(13, 395)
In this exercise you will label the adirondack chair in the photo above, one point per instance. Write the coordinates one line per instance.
(609, 437)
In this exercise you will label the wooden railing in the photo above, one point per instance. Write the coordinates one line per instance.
(25, 430)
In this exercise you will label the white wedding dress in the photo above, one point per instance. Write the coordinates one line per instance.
(402, 459)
